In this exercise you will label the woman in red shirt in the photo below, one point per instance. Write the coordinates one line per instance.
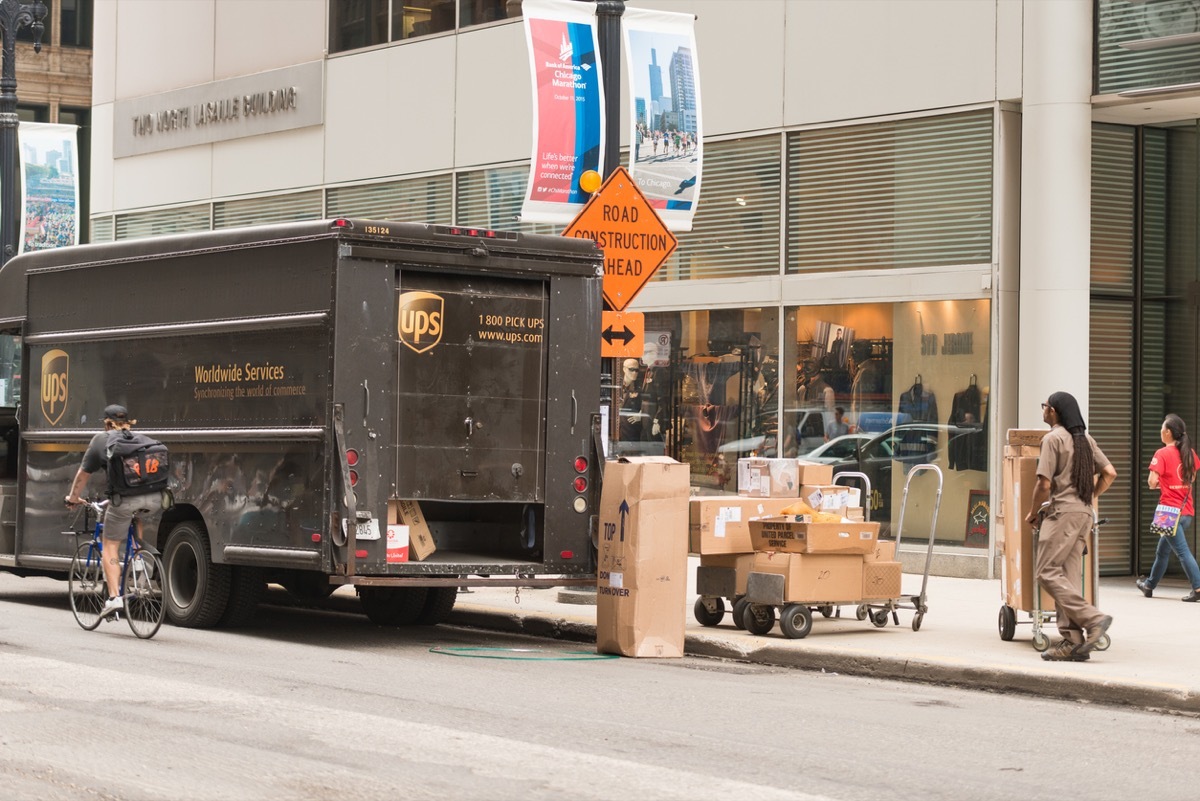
(1172, 471)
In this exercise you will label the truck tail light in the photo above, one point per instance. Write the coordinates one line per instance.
(580, 484)
(567, 554)
(581, 464)
(360, 554)
(351, 457)
(354, 478)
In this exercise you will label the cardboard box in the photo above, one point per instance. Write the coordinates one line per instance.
(721, 523)
(1026, 437)
(814, 472)
(795, 534)
(814, 578)
(642, 583)
(759, 477)
(880, 580)
(739, 563)
(397, 543)
(830, 497)
(1016, 540)
(885, 551)
(420, 538)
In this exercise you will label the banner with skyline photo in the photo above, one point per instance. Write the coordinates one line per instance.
(666, 133)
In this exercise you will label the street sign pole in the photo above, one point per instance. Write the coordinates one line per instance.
(608, 34)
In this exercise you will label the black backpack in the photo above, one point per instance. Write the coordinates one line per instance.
(137, 464)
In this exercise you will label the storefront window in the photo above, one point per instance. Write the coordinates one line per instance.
(880, 388)
(705, 392)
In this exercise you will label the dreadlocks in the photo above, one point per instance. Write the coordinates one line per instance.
(1083, 465)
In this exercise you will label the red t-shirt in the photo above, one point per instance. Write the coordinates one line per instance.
(1173, 491)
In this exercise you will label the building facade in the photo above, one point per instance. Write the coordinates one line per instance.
(915, 212)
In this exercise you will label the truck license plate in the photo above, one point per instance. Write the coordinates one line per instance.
(365, 530)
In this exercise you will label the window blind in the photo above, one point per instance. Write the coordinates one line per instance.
(1114, 183)
(418, 200)
(904, 193)
(492, 199)
(1122, 21)
(166, 221)
(736, 228)
(271, 209)
(102, 229)
(1111, 390)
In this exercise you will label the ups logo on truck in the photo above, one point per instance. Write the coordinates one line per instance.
(420, 320)
(55, 366)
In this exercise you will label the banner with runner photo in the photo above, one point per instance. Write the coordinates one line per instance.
(50, 180)
(666, 139)
(568, 107)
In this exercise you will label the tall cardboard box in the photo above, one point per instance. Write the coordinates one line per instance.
(420, 538)
(815, 577)
(642, 583)
(720, 524)
(1020, 476)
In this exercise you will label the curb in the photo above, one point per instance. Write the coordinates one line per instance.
(1100, 690)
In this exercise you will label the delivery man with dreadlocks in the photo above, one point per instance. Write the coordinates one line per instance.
(1072, 473)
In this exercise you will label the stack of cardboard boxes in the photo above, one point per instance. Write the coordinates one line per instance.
(826, 555)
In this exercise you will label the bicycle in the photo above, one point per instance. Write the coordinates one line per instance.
(141, 580)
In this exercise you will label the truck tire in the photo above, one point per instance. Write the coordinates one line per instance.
(247, 587)
(393, 606)
(438, 603)
(197, 588)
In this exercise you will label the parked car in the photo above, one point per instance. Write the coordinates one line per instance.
(838, 449)
(904, 445)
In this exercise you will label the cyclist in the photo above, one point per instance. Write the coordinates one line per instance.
(122, 509)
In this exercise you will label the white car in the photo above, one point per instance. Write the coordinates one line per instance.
(838, 449)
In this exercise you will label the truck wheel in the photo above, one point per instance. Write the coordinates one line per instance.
(247, 587)
(197, 589)
(438, 603)
(393, 606)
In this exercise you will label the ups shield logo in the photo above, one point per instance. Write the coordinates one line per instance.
(55, 367)
(420, 320)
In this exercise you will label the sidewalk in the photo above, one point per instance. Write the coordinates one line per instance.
(1151, 662)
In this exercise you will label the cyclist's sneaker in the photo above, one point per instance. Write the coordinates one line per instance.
(110, 606)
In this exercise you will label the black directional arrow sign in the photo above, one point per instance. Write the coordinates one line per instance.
(623, 334)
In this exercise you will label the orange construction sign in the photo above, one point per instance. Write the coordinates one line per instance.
(622, 334)
(626, 227)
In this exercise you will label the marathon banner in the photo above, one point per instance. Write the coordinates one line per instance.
(50, 184)
(568, 107)
(666, 140)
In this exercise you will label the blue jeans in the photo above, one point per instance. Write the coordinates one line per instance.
(1177, 543)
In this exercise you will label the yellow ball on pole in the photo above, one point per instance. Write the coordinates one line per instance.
(590, 181)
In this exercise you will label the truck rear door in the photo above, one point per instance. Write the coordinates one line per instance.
(471, 363)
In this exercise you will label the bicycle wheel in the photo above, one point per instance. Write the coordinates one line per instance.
(86, 586)
(144, 608)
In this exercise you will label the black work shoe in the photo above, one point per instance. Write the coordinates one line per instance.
(1096, 633)
(1191, 597)
(1066, 651)
(1146, 590)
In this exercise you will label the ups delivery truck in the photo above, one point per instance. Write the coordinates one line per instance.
(405, 408)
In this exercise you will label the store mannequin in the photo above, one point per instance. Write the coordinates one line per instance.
(632, 424)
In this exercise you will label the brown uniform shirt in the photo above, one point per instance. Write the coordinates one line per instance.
(1054, 463)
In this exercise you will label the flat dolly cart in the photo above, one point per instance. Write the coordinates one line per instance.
(1040, 617)
(717, 586)
(765, 592)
